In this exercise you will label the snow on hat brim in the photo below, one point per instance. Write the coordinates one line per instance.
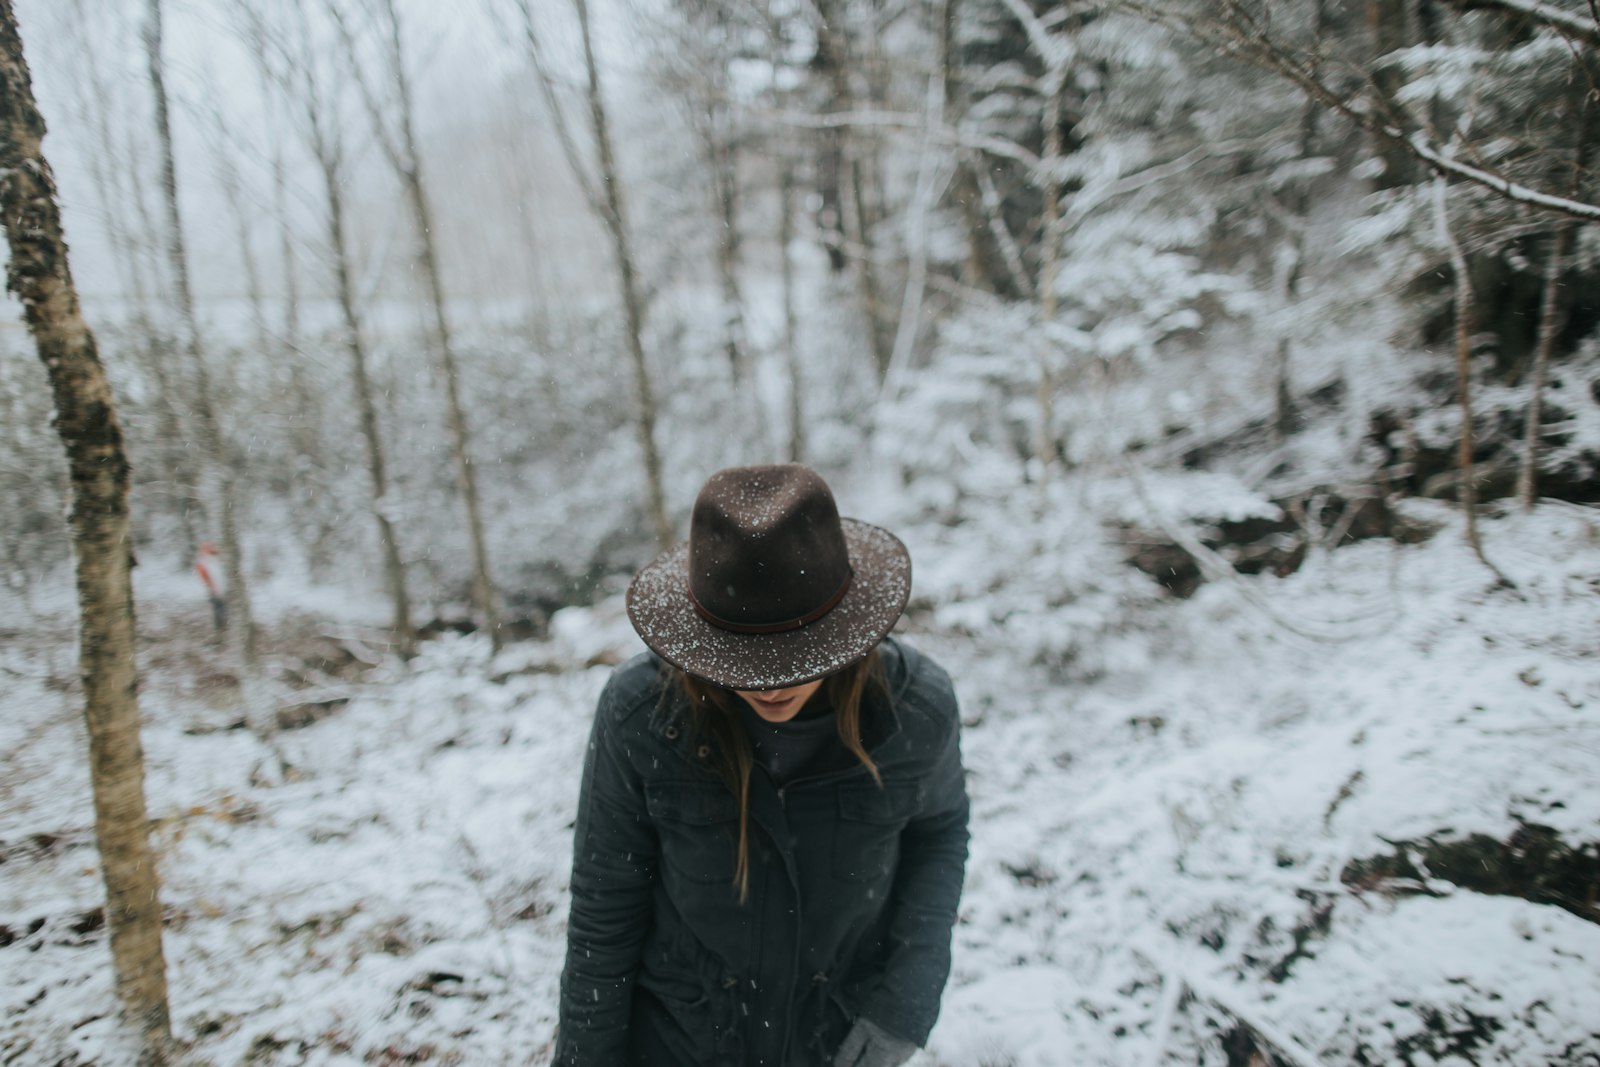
(661, 611)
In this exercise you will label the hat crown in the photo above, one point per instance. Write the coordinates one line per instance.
(766, 546)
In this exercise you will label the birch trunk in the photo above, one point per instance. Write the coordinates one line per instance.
(86, 419)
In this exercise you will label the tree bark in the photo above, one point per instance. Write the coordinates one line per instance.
(218, 473)
(86, 419)
(791, 348)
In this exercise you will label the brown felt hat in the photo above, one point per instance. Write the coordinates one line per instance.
(772, 588)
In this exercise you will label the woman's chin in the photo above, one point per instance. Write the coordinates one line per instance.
(777, 711)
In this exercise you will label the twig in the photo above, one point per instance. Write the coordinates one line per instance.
(1284, 1043)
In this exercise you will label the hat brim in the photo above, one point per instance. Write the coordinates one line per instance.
(660, 610)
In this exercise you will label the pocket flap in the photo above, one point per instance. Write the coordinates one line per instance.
(696, 803)
(896, 802)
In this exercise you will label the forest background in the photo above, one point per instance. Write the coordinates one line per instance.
(1257, 344)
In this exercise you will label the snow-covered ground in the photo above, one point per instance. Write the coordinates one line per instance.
(1160, 827)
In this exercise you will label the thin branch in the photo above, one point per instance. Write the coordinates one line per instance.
(909, 121)
(387, 139)
(1009, 250)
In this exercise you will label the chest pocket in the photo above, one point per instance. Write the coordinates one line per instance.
(866, 844)
(699, 828)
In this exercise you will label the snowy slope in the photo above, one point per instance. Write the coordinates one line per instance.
(1160, 827)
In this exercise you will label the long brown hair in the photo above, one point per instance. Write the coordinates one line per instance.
(714, 721)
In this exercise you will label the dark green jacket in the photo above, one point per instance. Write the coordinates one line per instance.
(853, 887)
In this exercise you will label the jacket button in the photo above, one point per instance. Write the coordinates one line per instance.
(671, 731)
(705, 751)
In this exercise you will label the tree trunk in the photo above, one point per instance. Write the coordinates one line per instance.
(1386, 19)
(1552, 309)
(86, 420)
(723, 162)
(633, 307)
(218, 472)
(855, 208)
(791, 349)
(1552, 317)
(1044, 445)
(409, 163)
(979, 268)
(1467, 487)
(310, 489)
(394, 571)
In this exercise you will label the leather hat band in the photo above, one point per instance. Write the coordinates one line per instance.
(773, 627)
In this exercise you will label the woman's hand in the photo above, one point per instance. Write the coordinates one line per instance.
(869, 1045)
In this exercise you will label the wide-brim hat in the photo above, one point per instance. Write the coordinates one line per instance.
(773, 588)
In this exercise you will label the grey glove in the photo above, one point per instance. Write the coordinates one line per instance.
(870, 1045)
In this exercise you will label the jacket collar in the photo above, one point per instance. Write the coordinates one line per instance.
(880, 716)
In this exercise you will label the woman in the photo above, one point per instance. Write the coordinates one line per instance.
(772, 826)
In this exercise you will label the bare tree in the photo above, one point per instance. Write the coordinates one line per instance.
(791, 347)
(396, 135)
(1466, 484)
(1056, 52)
(86, 420)
(844, 180)
(1552, 309)
(218, 471)
(294, 70)
(608, 203)
(109, 163)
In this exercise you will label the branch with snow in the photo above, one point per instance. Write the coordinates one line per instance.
(1563, 22)
(1254, 42)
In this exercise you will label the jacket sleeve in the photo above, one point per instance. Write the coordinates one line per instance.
(927, 891)
(614, 856)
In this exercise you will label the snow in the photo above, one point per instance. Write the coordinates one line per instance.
(1168, 812)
